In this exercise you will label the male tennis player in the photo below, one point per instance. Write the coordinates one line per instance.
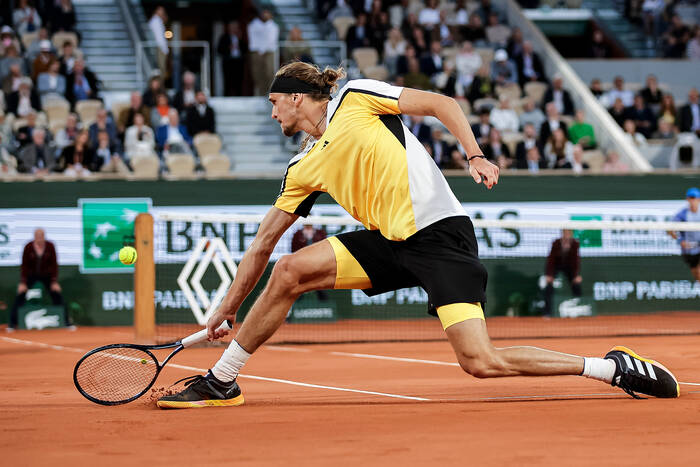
(690, 241)
(417, 234)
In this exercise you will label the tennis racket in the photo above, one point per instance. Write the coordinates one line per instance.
(119, 373)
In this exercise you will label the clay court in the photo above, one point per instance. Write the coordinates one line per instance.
(348, 404)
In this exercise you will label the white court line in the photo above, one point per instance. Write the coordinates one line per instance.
(260, 378)
(286, 349)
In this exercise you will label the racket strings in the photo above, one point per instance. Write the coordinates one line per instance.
(116, 374)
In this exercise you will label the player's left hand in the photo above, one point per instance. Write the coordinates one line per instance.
(578, 279)
(482, 170)
(213, 331)
(55, 287)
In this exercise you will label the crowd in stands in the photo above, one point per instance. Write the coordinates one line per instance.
(53, 120)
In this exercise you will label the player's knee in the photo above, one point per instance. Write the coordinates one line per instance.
(484, 365)
(285, 274)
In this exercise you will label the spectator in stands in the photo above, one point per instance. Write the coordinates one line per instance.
(11, 82)
(378, 28)
(394, 47)
(415, 78)
(36, 157)
(8, 163)
(693, 49)
(24, 100)
(173, 136)
(233, 48)
(618, 111)
(529, 65)
(420, 130)
(619, 91)
(560, 96)
(642, 116)
(497, 151)
(515, 43)
(23, 135)
(676, 38)
(534, 160)
(485, 10)
(503, 70)
(552, 123)
(300, 51)
(652, 94)
(632, 135)
(667, 110)
(63, 17)
(358, 34)
(475, 31)
(482, 86)
(431, 62)
(581, 132)
(460, 16)
(11, 58)
(531, 115)
(157, 26)
(7, 39)
(652, 11)
(689, 115)
(39, 264)
(51, 81)
(68, 58)
(81, 84)
(613, 164)
(496, 33)
(103, 123)
(529, 141)
(664, 131)
(126, 117)
(563, 257)
(442, 152)
(75, 159)
(107, 158)
(504, 118)
(35, 47)
(597, 89)
(25, 18)
(66, 136)
(409, 23)
(430, 15)
(139, 137)
(201, 117)
(599, 48)
(418, 39)
(7, 139)
(482, 129)
(160, 112)
(443, 32)
(43, 61)
(263, 35)
(558, 151)
(578, 165)
(467, 63)
(155, 87)
(402, 60)
(185, 97)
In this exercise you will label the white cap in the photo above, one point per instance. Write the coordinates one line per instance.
(45, 45)
(500, 55)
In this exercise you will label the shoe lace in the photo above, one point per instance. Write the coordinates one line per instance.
(630, 379)
(188, 380)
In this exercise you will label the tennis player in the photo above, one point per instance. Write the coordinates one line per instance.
(417, 233)
(690, 241)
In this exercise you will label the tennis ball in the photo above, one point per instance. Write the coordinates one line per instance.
(143, 361)
(127, 255)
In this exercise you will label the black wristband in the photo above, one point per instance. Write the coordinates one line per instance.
(475, 157)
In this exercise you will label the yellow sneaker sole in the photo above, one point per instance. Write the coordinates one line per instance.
(631, 352)
(200, 404)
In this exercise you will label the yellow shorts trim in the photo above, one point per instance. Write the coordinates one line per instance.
(349, 274)
(458, 312)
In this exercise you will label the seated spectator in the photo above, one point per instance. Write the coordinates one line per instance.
(474, 32)
(81, 84)
(430, 15)
(68, 58)
(642, 116)
(552, 123)
(497, 151)
(578, 165)
(7, 139)
(66, 136)
(23, 135)
(43, 61)
(415, 78)
(531, 115)
(378, 24)
(12, 80)
(154, 89)
(419, 40)
(515, 43)
(139, 137)
(560, 96)
(581, 132)
(652, 94)
(482, 86)
(530, 66)
(467, 63)
(75, 159)
(689, 115)
(160, 112)
(394, 47)
(409, 22)
(126, 117)
(619, 92)
(107, 159)
(618, 111)
(444, 153)
(442, 31)
(25, 18)
(504, 118)
(402, 60)
(503, 71)
(497, 33)
(185, 97)
(24, 100)
(597, 89)
(460, 17)
(558, 151)
(300, 51)
(103, 123)
(631, 133)
(529, 141)
(8, 163)
(692, 51)
(35, 47)
(482, 129)
(201, 117)
(63, 17)
(173, 136)
(36, 157)
(420, 130)
(651, 13)
(51, 81)
(7, 39)
(599, 49)
(613, 164)
(485, 10)
(664, 131)
(534, 160)
(676, 38)
(431, 62)
(358, 35)
(11, 58)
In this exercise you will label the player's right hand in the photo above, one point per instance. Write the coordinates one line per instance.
(22, 287)
(213, 331)
(481, 169)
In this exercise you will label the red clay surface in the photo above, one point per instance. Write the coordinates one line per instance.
(568, 421)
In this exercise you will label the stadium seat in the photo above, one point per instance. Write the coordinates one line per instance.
(512, 92)
(207, 144)
(28, 38)
(57, 111)
(365, 57)
(498, 35)
(180, 165)
(574, 3)
(465, 106)
(87, 110)
(18, 123)
(449, 53)
(378, 72)
(487, 102)
(62, 36)
(486, 54)
(216, 164)
(117, 108)
(595, 159)
(342, 24)
(145, 166)
(56, 126)
(536, 90)
(511, 139)
(686, 152)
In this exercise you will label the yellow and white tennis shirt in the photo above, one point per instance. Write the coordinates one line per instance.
(371, 164)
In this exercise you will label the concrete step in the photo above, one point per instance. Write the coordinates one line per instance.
(238, 140)
(253, 105)
(110, 59)
(102, 25)
(260, 150)
(257, 119)
(124, 44)
(122, 85)
(108, 35)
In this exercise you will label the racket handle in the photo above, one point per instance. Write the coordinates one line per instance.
(201, 336)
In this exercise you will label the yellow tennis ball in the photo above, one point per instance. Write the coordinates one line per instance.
(143, 361)
(127, 255)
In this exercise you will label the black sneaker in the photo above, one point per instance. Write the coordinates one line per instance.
(203, 391)
(637, 374)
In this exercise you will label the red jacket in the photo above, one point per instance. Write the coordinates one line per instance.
(32, 266)
(560, 260)
(299, 241)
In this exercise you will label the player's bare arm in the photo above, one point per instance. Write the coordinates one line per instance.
(251, 268)
(446, 109)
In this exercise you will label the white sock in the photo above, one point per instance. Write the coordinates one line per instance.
(602, 369)
(230, 363)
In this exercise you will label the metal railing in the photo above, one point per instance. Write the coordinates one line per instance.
(143, 65)
(338, 46)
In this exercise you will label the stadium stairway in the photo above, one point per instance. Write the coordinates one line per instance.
(610, 16)
(108, 50)
(250, 137)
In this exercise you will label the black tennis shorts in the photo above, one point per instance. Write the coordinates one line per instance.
(442, 258)
(691, 260)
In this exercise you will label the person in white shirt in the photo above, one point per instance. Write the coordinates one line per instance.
(577, 164)
(25, 18)
(467, 63)
(619, 91)
(263, 38)
(430, 15)
(394, 47)
(157, 26)
(139, 138)
(503, 118)
(531, 115)
(631, 134)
